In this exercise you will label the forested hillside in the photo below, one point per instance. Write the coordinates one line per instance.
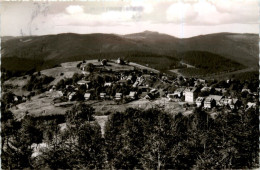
(42, 52)
(207, 63)
(134, 139)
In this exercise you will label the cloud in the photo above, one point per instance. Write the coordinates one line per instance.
(180, 12)
(74, 9)
(213, 12)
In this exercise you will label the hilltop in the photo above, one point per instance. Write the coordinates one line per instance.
(41, 52)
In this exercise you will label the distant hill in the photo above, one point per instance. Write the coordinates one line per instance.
(49, 50)
(207, 63)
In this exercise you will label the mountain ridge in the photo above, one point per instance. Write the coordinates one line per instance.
(242, 48)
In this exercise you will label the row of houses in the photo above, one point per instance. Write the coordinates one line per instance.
(216, 100)
(191, 96)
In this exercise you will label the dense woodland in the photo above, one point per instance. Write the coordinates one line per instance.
(207, 63)
(150, 139)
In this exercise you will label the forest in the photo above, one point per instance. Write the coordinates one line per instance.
(133, 139)
(207, 63)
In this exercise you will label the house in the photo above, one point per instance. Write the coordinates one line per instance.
(199, 101)
(104, 62)
(172, 97)
(234, 104)
(122, 82)
(190, 94)
(207, 89)
(60, 93)
(103, 96)
(108, 84)
(87, 96)
(179, 92)
(246, 90)
(133, 95)
(120, 61)
(71, 95)
(53, 88)
(83, 82)
(143, 88)
(24, 98)
(16, 98)
(57, 94)
(217, 99)
(149, 96)
(251, 105)
(221, 90)
(209, 103)
(143, 94)
(201, 81)
(118, 96)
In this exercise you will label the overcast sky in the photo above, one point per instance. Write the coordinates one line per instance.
(174, 17)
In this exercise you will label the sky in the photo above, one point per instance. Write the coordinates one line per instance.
(179, 18)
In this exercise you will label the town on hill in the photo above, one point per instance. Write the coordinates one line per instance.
(108, 99)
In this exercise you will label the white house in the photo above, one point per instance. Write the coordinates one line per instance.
(190, 94)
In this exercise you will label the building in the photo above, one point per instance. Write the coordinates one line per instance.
(206, 89)
(71, 95)
(209, 103)
(118, 96)
(108, 84)
(172, 97)
(179, 92)
(251, 105)
(143, 88)
(87, 96)
(133, 95)
(104, 62)
(119, 61)
(190, 94)
(221, 90)
(149, 96)
(246, 90)
(199, 101)
(103, 96)
(217, 99)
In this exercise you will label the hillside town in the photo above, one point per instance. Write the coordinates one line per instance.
(117, 81)
(96, 91)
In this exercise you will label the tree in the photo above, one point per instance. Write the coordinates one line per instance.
(80, 114)
(90, 67)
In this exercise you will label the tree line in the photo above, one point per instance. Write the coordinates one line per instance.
(142, 139)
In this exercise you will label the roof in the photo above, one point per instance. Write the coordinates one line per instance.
(132, 93)
(102, 94)
(190, 89)
(153, 91)
(83, 82)
(216, 97)
(122, 81)
(250, 104)
(87, 95)
(108, 84)
(149, 95)
(143, 94)
(143, 87)
(208, 100)
(199, 99)
(119, 94)
(206, 89)
(179, 90)
(73, 93)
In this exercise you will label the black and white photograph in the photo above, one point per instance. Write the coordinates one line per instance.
(130, 84)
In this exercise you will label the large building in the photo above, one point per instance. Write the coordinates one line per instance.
(199, 101)
(190, 94)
